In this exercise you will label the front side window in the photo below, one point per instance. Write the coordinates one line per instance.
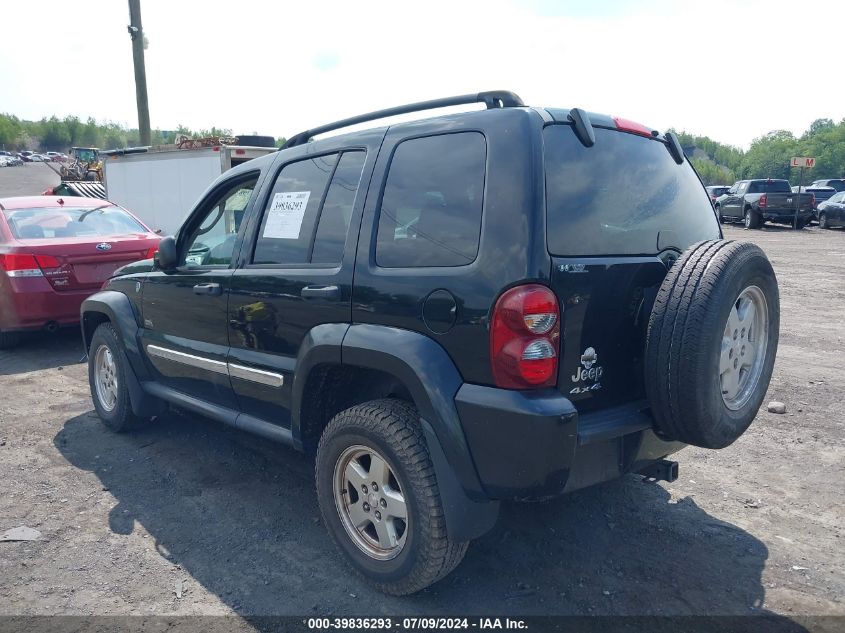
(57, 222)
(432, 203)
(212, 242)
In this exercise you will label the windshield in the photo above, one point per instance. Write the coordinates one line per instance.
(616, 197)
(86, 155)
(52, 222)
(769, 186)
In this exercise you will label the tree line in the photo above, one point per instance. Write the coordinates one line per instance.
(769, 155)
(55, 134)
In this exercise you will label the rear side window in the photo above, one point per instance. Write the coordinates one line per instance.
(337, 210)
(431, 207)
(616, 197)
(309, 210)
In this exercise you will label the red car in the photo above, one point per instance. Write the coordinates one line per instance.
(55, 252)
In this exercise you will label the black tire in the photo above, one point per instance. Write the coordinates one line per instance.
(9, 340)
(685, 337)
(120, 417)
(752, 219)
(390, 427)
(254, 140)
(823, 221)
(801, 224)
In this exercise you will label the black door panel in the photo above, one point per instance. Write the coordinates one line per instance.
(303, 281)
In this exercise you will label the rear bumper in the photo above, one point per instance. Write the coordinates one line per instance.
(30, 303)
(534, 445)
(783, 217)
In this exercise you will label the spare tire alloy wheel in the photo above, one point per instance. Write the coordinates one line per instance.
(370, 502)
(744, 345)
(711, 343)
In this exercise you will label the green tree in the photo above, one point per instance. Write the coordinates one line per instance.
(10, 129)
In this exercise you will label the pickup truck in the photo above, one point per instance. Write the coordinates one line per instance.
(759, 201)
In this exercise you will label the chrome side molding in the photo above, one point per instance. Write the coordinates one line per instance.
(232, 370)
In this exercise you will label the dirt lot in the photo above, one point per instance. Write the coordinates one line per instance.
(754, 528)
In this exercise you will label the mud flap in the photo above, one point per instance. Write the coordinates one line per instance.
(465, 519)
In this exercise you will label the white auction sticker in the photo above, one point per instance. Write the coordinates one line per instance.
(285, 215)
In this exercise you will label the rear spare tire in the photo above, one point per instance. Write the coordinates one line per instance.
(711, 344)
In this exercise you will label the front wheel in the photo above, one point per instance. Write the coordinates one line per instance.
(107, 379)
(379, 498)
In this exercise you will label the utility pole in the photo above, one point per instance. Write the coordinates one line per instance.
(136, 32)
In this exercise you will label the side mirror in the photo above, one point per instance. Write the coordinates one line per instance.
(167, 256)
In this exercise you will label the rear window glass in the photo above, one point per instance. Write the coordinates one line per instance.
(774, 186)
(616, 197)
(58, 222)
(431, 209)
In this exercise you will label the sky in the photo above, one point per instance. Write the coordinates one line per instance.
(729, 69)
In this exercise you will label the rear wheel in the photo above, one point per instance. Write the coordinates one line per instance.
(379, 497)
(107, 379)
(823, 221)
(752, 219)
(711, 345)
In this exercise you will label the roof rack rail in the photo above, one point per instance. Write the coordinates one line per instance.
(492, 98)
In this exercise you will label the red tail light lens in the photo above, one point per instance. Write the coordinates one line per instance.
(17, 265)
(47, 261)
(524, 338)
(151, 253)
(631, 126)
(813, 200)
(763, 201)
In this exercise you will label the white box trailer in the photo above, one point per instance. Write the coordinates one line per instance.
(162, 184)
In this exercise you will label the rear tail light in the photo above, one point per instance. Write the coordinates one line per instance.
(151, 253)
(25, 265)
(20, 265)
(813, 200)
(524, 338)
(763, 201)
(631, 126)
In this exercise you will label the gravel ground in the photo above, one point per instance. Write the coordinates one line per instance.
(29, 179)
(233, 523)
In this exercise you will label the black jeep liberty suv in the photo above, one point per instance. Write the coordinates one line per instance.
(503, 304)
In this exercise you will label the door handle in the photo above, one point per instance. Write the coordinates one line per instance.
(208, 289)
(329, 293)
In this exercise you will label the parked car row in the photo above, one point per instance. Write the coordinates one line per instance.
(27, 156)
(757, 201)
(7, 160)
